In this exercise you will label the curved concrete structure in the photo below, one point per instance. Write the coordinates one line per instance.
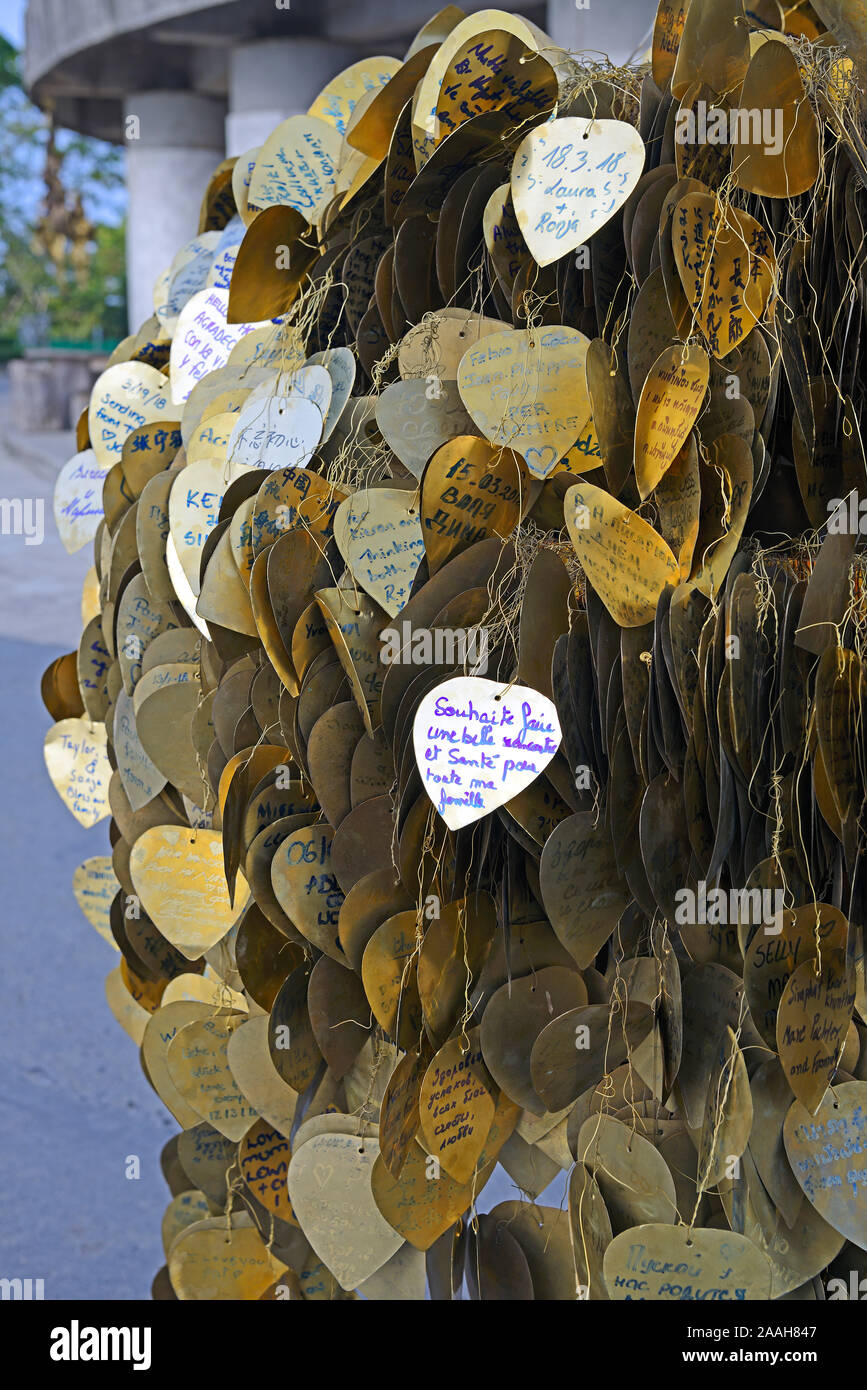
(211, 77)
(86, 56)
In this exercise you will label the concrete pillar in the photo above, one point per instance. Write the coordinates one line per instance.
(172, 150)
(270, 79)
(615, 27)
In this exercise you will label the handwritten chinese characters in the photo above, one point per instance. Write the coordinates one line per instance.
(727, 267)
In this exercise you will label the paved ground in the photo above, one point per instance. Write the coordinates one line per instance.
(73, 1101)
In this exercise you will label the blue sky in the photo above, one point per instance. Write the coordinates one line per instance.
(105, 206)
(12, 20)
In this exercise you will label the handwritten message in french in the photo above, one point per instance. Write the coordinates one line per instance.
(478, 743)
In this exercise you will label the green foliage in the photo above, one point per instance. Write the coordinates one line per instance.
(97, 310)
(92, 306)
(10, 65)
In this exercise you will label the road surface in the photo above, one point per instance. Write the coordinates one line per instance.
(73, 1100)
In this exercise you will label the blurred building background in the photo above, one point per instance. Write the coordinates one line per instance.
(212, 79)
